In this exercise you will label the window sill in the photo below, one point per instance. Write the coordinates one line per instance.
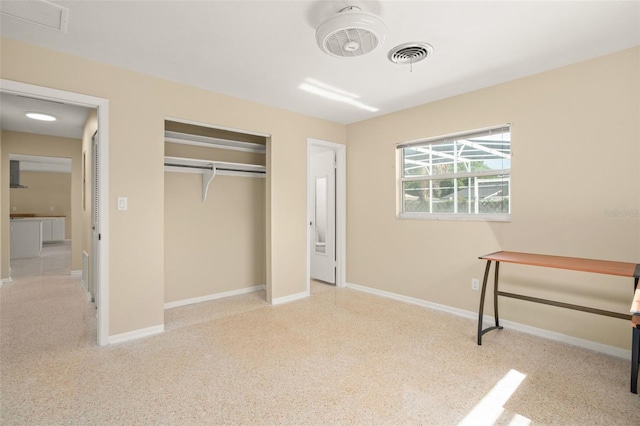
(457, 217)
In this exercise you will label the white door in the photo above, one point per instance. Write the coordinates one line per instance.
(95, 222)
(323, 217)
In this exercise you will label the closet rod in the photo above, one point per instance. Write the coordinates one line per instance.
(226, 169)
(240, 170)
(188, 166)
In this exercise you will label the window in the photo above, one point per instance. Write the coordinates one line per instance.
(465, 175)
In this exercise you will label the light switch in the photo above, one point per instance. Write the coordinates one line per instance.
(122, 203)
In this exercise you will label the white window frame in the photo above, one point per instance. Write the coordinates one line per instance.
(401, 179)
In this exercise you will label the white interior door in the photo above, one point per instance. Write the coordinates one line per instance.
(323, 217)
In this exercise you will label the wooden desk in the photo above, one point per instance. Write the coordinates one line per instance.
(622, 269)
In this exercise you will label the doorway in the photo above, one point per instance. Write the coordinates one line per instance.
(326, 212)
(102, 240)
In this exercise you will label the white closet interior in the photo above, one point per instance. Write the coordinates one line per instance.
(214, 213)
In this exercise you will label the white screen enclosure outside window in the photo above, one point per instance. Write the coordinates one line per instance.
(465, 175)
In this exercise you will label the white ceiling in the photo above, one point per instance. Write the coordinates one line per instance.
(264, 50)
(69, 122)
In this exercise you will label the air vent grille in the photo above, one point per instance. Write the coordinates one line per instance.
(38, 12)
(410, 53)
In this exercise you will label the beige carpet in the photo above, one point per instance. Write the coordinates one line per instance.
(339, 357)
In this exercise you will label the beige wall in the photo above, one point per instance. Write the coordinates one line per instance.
(45, 191)
(138, 106)
(31, 144)
(575, 140)
(216, 245)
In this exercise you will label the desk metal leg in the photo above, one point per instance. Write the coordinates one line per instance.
(481, 309)
(495, 301)
(635, 359)
(495, 295)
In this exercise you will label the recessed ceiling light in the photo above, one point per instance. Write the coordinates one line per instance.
(40, 116)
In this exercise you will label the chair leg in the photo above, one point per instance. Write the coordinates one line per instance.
(635, 359)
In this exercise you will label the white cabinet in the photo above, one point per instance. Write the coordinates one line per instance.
(57, 229)
(53, 229)
(25, 238)
(46, 230)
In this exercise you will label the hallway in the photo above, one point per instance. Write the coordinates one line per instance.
(42, 312)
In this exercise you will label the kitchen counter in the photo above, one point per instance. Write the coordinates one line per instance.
(29, 232)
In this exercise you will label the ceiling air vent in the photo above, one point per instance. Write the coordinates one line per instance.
(410, 53)
(39, 12)
(351, 33)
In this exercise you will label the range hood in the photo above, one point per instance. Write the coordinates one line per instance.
(14, 174)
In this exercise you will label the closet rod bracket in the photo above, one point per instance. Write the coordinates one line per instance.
(207, 177)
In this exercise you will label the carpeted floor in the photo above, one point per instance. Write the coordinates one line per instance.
(338, 357)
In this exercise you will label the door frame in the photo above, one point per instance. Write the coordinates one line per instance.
(340, 151)
(102, 105)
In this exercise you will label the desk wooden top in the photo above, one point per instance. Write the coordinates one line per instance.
(623, 269)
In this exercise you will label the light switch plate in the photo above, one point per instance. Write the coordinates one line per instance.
(122, 203)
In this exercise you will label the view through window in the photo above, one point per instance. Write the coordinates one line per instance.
(462, 175)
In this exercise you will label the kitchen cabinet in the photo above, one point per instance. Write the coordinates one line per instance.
(53, 229)
(25, 238)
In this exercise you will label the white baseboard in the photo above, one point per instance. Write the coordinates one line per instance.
(290, 298)
(76, 272)
(215, 296)
(564, 338)
(5, 281)
(136, 334)
(86, 293)
(487, 319)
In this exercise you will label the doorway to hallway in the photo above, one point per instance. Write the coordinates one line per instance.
(326, 212)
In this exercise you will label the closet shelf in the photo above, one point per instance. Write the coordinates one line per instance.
(210, 142)
(209, 169)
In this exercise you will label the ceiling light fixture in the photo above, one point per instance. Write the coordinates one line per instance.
(351, 33)
(40, 116)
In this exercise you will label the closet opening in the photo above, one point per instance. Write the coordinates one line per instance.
(214, 213)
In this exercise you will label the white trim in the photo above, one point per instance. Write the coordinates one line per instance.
(76, 272)
(102, 105)
(86, 294)
(484, 217)
(340, 151)
(8, 280)
(564, 338)
(184, 302)
(546, 334)
(290, 298)
(136, 334)
(413, 301)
